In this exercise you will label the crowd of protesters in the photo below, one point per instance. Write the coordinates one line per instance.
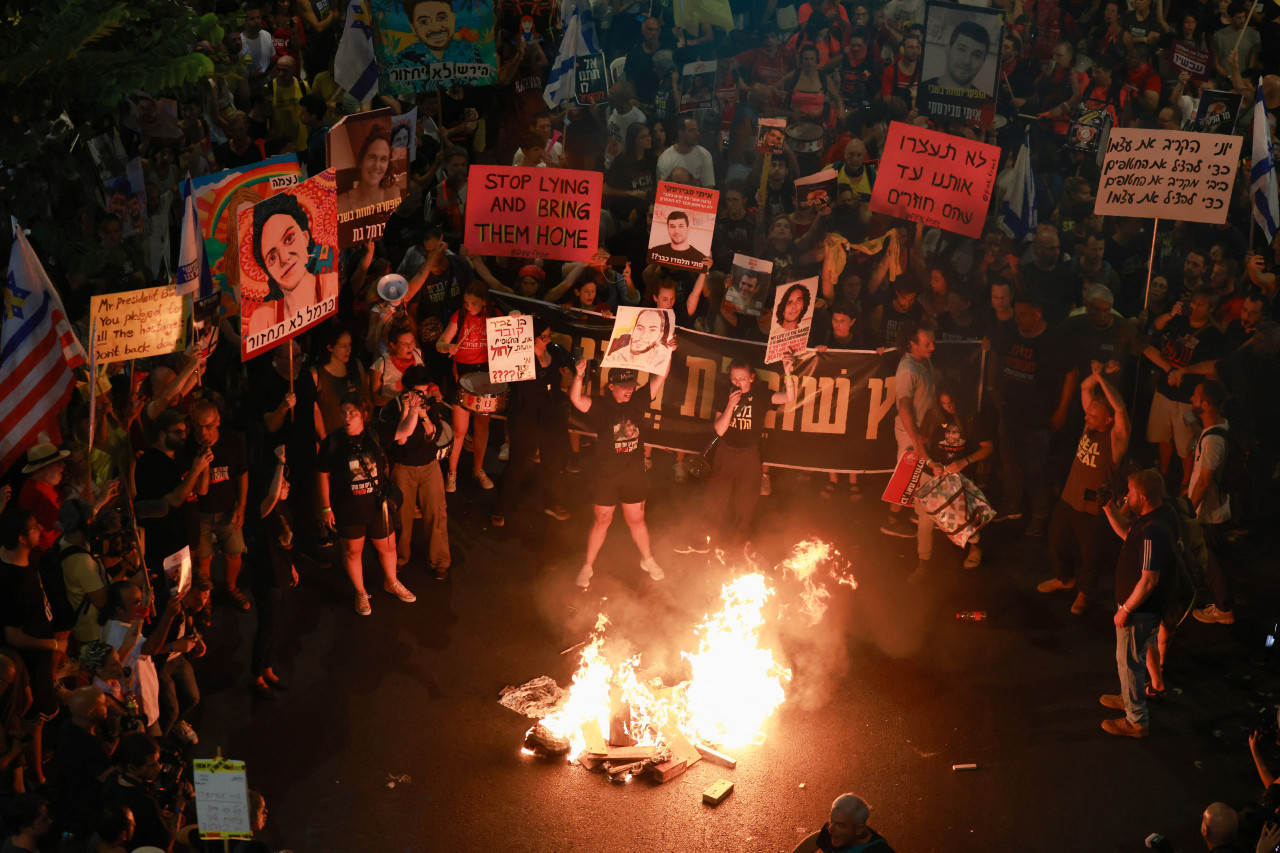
(1113, 351)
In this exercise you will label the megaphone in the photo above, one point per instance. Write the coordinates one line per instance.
(392, 288)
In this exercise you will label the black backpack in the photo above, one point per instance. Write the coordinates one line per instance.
(54, 583)
(1232, 475)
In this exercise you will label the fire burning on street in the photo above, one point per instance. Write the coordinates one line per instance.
(613, 716)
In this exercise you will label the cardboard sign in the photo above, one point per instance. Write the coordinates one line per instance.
(905, 480)
(749, 281)
(372, 175)
(935, 178)
(818, 190)
(510, 341)
(643, 339)
(288, 264)
(137, 324)
(1187, 57)
(791, 320)
(590, 79)
(222, 798)
(533, 213)
(697, 86)
(960, 65)
(421, 48)
(684, 221)
(1168, 174)
(771, 136)
(1216, 112)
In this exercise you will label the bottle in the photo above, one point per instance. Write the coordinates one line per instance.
(972, 615)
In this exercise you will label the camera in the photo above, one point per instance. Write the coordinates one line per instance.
(1159, 843)
(169, 782)
(1104, 493)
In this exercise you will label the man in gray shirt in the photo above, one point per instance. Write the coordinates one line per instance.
(915, 392)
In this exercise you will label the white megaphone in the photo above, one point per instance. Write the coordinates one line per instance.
(392, 288)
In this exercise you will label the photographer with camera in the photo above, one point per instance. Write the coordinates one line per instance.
(85, 746)
(157, 810)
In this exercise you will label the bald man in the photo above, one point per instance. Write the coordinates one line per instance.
(846, 831)
(1218, 828)
(854, 172)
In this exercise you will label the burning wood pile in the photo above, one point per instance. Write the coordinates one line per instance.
(611, 720)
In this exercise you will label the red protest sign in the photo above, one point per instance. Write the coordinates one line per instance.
(935, 178)
(521, 212)
(1189, 58)
(905, 480)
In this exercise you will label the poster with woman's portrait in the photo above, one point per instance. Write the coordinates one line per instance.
(960, 66)
(791, 319)
(288, 264)
(643, 339)
(749, 281)
(372, 175)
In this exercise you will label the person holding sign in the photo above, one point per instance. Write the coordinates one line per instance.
(300, 272)
(678, 246)
(616, 417)
(465, 340)
(377, 181)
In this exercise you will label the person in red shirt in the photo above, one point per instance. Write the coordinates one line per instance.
(40, 494)
(466, 343)
(1142, 83)
(287, 34)
(902, 77)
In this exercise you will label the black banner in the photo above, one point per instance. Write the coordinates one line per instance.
(843, 416)
(590, 79)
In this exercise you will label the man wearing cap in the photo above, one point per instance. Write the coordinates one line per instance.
(847, 830)
(617, 416)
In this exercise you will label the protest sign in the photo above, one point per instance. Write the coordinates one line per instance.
(1216, 112)
(219, 198)
(749, 281)
(533, 213)
(697, 86)
(288, 264)
(204, 322)
(684, 220)
(404, 134)
(771, 136)
(371, 175)
(818, 190)
(791, 319)
(436, 45)
(960, 66)
(590, 79)
(1168, 174)
(1185, 56)
(643, 339)
(527, 20)
(510, 341)
(177, 571)
(136, 324)
(935, 178)
(902, 486)
(222, 798)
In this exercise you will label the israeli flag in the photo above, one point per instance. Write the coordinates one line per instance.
(1262, 184)
(355, 67)
(1018, 210)
(193, 268)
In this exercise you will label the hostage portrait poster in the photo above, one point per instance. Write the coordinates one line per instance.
(372, 175)
(434, 44)
(960, 66)
(288, 248)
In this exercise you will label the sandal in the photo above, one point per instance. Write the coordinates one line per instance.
(1155, 694)
(241, 600)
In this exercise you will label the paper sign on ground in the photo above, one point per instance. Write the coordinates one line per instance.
(643, 339)
(791, 319)
(931, 177)
(533, 213)
(137, 324)
(684, 220)
(510, 342)
(749, 283)
(222, 798)
(1168, 174)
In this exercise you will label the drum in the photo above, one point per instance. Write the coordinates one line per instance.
(477, 393)
(1088, 129)
(805, 137)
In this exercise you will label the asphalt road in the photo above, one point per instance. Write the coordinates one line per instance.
(889, 692)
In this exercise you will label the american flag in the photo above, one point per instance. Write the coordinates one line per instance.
(38, 352)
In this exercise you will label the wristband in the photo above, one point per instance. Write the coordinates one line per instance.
(1125, 609)
(326, 509)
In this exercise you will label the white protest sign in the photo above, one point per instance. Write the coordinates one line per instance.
(510, 348)
(136, 324)
(791, 319)
(222, 798)
(1168, 174)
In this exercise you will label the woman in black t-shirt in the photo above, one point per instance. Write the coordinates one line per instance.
(352, 482)
(630, 182)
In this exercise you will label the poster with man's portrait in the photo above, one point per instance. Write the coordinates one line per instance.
(427, 45)
(749, 281)
(642, 339)
(288, 249)
(960, 67)
(791, 320)
(684, 221)
(697, 86)
(372, 176)
(404, 134)
(1216, 112)
(771, 136)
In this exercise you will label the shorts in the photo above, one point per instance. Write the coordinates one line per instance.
(904, 441)
(1165, 424)
(44, 694)
(629, 486)
(364, 520)
(218, 524)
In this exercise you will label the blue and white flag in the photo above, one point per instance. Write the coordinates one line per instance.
(355, 67)
(560, 80)
(582, 8)
(1262, 176)
(193, 268)
(1018, 210)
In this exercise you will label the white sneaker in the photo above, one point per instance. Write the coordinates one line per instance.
(186, 733)
(482, 478)
(400, 591)
(584, 576)
(504, 452)
(651, 566)
(766, 485)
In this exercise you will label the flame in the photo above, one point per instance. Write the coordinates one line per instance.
(805, 560)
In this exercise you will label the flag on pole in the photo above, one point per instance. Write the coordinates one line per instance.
(582, 8)
(1018, 210)
(560, 80)
(193, 268)
(1262, 175)
(39, 350)
(355, 67)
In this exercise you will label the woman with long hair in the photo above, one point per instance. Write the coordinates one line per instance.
(334, 376)
(466, 343)
(286, 251)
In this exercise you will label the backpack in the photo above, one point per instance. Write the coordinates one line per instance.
(54, 583)
(1191, 559)
(1232, 475)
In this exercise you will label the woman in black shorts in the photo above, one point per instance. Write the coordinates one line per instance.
(353, 478)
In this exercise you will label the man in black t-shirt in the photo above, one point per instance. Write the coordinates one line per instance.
(161, 475)
(617, 417)
(221, 503)
(138, 757)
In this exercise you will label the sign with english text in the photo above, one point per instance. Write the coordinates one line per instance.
(1167, 174)
(935, 178)
(137, 324)
(517, 212)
